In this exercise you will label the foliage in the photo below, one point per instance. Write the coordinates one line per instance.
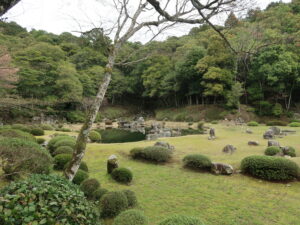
(80, 176)
(270, 168)
(97, 195)
(21, 156)
(75, 117)
(131, 198)
(60, 199)
(65, 142)
(95, 136)
(252, 124)
(120, 136)
(63, 150)
(53, 141)
(83, 166)
(37, 131)
(46, 127)
(40, 140)
(122, 175)
(290, 151)
(197, 162)
(89, 186)
(191, 131)
(181, 220)
(276, 123)
(272, 150)
(277, 110)
(152, 153)
(21, 127)
(294, 124)
(12, 133)
(61, 160)
(131, 217)
(112, 203)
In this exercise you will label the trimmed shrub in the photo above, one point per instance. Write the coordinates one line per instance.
(157, 154)
(214, 122)
(290, 151)
(53, 141)
(41, 199)
(197, 162)
(112, 203)
(37, 131)
(21, 127)
(95, 136)
(200, 125)
(40, 140)
(13, 133)
(273, 150)
(83, 166)
(80, 176)
(46, 127)
(61, 160)
(88, 186)
(97, 195)
(120, 136)
(181, 220)
(270, 168)
(131, 217)
(252, 124)
(63, 150)
(294, 124)
(137, 153)
(190, 131)
(122, 175)
(20, 156)
(69, 142)
(131, 198)
(277, 123)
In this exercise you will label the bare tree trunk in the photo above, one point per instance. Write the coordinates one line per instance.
(5, 6)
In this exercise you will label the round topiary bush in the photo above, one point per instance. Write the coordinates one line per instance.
(89, 186)
(37, 131)
(272, 150)
(122, 175)
(270, 168)
(42, 199)
(131, 198)
(136, 153)
(40, 140)
(46, 127)
(71, 143)
(14, 133)
(112, 203)
(97, 195)
(131, 217)
(63, 150)
(197, 162)
(152, 153)
(95, 136)
(181, 220)
(61, 160)
(21, 127)
(80, 176)
(294, 124)
(252, 124)
(83, 166)
(19, 156)
(53, 141)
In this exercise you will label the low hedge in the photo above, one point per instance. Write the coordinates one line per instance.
(131, 217)
(37, 131)
(181, 220)
(294, 124)
(152, 153)
(53, 141)
(65, 142)
(61, 160)
(190, 131)
(112, 203)
(272, 150)
(197, 162)
(252, 124)
(120, 136)
(122, 175)
(277, 123)
(21, 127)
(270, 168)
(89, 186)
(15, 133)
(63, 150)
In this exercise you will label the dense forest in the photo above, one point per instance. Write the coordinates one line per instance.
(59, 74)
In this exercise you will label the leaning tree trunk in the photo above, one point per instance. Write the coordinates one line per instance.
(6, 5)
(82, 138)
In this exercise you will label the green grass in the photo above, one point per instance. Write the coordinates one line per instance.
(167, 189)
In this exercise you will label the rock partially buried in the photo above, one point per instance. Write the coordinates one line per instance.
(248, 131)
(275, 130)
(112, 163)
(164, 145)
(269, 134)
(221, 168)
(273, 143)
(229, 149)
(253, 143)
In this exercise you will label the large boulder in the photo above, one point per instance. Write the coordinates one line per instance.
(269, 134)
(273, 143)
(220, 168)
(229, 149)
(112, 163)
(253, 143)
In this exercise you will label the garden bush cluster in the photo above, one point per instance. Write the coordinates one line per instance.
(197, 162)
(120, 136)
(152, 153)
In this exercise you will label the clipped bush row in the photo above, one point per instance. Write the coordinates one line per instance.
(15, 133)
(152, 153)
(252, 124)
(120, 136)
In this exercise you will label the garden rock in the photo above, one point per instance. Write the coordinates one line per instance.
(276, 130)
(164, 145)
(229, 149)
(253, 143)
(248, 131)
(112, 163)
(269, 134)
(220, 168)
(212, 134)
(273, 143)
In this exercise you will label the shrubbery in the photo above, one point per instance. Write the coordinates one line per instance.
(131, 217)
(131, 198)
(191, 131)
(21, 127)
(46, 127)
(112, 203)
(273, 150)
(252, 124)
(181, 220)
(14, 133)
(152, 153)
(42, 199)
(120, 136)
(53, 141)
(19, 156)
(97, 195)
(290, 151)
(197, 162)
(61, 160)
(89, 186)
(83, 166)
(80, 176)
(294, 124)
(63, 150)
(40, 140)
(65, 142)
(37, 131)
(277, 123)
(270, 168)
(122, 175)
(95, 136)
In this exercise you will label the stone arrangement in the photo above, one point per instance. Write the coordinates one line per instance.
(158, 130)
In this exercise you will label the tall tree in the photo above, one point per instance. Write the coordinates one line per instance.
(6, 5)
